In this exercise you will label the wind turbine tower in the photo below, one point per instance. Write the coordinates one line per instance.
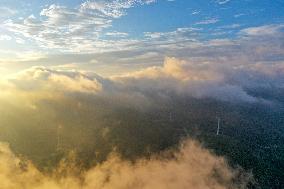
(218, 128)
(58, 137)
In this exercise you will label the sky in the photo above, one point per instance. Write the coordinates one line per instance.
(112, 37)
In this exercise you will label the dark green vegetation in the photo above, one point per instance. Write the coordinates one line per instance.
(251, 135)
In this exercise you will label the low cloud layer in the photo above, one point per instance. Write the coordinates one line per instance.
(197, 79)
(194, 79)
(190, 167)
(44, 79)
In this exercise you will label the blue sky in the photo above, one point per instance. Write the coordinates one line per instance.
(34, 33)
(165, 16)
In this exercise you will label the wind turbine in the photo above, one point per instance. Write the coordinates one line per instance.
(218, 128)
(186, 132)
(58, 137)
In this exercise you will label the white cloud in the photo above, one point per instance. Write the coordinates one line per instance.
(269, 30)
(74, 29)
(117, 34)
(239, 15)
(60, 27)
(50, 80)
(10, 56)
(231, 26)
(195, 12)
(195, 79)
(20, 41)
(177, 36)
(5, 38)
(113, 9)
(208, 21)
(222, 2)
(6, 12)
